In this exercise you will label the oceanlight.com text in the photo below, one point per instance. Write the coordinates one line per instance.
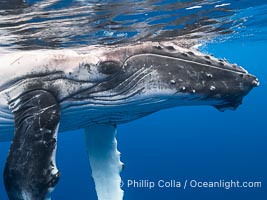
(224, 184)
(187, 184)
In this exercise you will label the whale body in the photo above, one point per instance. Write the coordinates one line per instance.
(43, 92)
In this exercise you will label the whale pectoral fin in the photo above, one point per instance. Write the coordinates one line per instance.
(30, 172)
(105, 161)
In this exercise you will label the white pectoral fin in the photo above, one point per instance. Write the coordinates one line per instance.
(105, 161)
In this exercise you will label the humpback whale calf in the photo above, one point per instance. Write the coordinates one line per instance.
(43, 92)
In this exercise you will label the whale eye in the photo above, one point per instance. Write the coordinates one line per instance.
(109, 67)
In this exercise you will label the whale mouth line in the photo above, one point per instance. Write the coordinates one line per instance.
(240, 70)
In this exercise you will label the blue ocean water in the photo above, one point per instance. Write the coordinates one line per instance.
(180, 144)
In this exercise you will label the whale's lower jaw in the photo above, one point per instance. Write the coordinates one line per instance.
(119, 112)
(83, 114)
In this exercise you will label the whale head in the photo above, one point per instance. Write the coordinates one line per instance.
(118, 84)
(152, 76)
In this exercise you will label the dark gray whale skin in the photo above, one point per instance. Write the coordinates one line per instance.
(33, 147)
(103, 85)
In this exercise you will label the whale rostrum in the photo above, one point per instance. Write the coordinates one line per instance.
(43, 92)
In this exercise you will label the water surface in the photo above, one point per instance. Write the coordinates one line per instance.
(35, 24)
